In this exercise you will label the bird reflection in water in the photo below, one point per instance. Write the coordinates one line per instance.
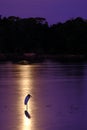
(27, 114)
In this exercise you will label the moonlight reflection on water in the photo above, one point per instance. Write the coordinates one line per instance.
(25, 87)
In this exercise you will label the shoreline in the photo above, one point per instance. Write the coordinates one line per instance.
(32, 57)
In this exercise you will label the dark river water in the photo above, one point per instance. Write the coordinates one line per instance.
(59, 96)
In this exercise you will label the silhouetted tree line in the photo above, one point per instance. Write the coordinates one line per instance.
(20, 35)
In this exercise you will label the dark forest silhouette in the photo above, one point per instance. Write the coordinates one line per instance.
(26, 35)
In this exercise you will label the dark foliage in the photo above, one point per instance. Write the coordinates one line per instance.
(20, 35)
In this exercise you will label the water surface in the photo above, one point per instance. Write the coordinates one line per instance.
(59, 96)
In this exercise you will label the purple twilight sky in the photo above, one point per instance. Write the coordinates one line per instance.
(53, 10)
